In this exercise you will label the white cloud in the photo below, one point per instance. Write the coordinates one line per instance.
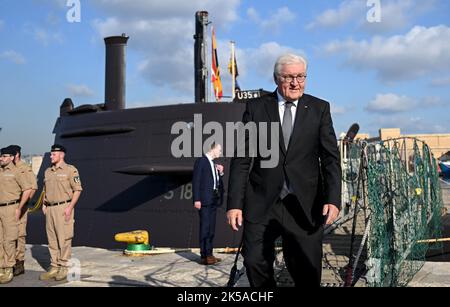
(391, 103)
(420, 52)
(80, 90)
(409, 125)
(166, 46)
(441, 81)
(162, 32)
(395, 14)
(46, 37)
(57, 3)
(253, 15)
(346, 12)
(434, 101)
(53, 19)
(223, 12)
(282, 17)
(163, 36)
(13, 56)
(337, 110)
(260, 61)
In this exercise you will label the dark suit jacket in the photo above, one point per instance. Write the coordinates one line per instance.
(203, 183)
(311, 162)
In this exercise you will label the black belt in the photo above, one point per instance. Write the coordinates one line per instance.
(60, 203)
(10, 203)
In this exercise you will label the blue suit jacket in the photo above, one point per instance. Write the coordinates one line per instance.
(203, 183)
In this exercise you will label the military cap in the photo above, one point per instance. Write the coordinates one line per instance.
(58, 147)
(16, 148)
(7, 151)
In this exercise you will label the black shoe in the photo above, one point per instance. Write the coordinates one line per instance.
(19, 268)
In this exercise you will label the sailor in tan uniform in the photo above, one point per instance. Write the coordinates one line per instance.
(62, 190)
(14, 193)
(25, 169)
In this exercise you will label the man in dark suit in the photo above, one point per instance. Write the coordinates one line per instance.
(207, 191)
(297, 196)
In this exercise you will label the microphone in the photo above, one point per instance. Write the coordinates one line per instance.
(351, 133)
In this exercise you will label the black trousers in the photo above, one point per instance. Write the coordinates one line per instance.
(207, 229)
(302, 246)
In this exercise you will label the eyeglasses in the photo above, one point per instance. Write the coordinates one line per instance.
(289, 79)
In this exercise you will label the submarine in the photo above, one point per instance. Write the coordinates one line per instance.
(130, 178)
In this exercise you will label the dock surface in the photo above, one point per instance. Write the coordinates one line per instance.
(180, 268)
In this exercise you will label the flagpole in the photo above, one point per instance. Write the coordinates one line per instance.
(208, 65)
(233, 71)
(212, 88)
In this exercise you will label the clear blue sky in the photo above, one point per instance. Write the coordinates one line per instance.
(392, 73)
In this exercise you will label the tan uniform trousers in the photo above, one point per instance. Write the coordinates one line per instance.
(59, 235)
(9, 232)
(21, 242)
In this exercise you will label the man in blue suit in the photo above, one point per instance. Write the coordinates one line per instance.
(207, 187)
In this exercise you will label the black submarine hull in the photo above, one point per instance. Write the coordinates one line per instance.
(130, 178)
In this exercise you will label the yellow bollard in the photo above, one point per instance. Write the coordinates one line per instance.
(133, 237)
(138, 242)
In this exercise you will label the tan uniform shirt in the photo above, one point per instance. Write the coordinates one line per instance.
(29, 175)
(60, 183)
(12, 183)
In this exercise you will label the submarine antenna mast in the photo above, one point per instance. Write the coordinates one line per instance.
(200, 60)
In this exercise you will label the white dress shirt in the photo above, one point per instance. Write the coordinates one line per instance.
(214, 172)
(282, 107)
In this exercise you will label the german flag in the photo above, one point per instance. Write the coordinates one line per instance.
(236, 73)
(215, 73)
(230, 67)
